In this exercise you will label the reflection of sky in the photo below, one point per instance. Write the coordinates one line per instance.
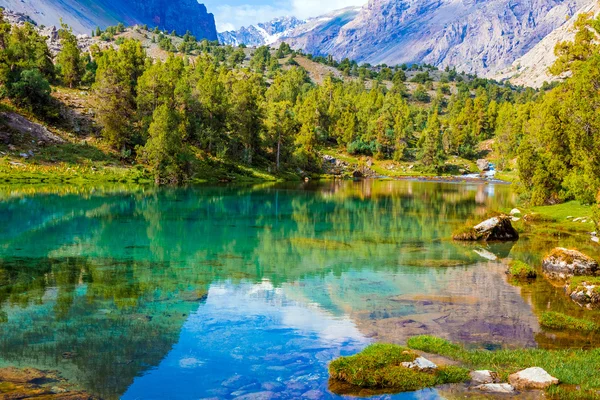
(249, 339)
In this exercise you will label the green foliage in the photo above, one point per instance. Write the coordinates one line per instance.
(261, 59)
(431, 148)
(420, 94)
(25, 66)
(559, 154)
(115, 91)
(69, 58)
(379, 366)
(165, 152)
(571, 367)
(561, 322)
(520, 270)
(32, 90)
(422, 78)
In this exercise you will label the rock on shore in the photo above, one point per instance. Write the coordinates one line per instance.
(532, 379)
(494, 229)
(562, 264)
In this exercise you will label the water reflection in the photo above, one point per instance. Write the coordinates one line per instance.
(203, 292)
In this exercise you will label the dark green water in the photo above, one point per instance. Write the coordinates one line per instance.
(229, 292)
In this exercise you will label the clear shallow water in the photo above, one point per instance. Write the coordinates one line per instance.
(233, 292)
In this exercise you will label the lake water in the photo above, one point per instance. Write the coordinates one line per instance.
(221, 292)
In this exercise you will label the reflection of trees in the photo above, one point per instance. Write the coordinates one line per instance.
(99, 282)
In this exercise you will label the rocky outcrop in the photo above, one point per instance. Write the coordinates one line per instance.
(562, 264)
(494, 229)
(532, 379)
(483, 165)
(15, 128)
(532, 68)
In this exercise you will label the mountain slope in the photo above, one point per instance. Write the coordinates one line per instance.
(532, 68)
(476, 36)
(473, 35)
(85, 15)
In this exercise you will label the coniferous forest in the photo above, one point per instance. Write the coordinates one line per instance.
(205, 99)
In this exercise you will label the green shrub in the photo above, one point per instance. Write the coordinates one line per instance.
(32, 90)
(520, 270)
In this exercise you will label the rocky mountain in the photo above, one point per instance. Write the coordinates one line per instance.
(476, 36)
(261, 34)
(85, 15)
(314, 33)
(532, 68)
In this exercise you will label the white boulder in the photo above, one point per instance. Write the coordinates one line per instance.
(532, 378)
(496, 388)
(420, 363)
(483, 377)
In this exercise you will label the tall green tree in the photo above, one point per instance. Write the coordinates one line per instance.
(165, 152)
(69, 58)
(431, 147)
(115, 91)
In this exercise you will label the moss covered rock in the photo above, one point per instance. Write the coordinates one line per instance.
(494, 229)
(562, 264)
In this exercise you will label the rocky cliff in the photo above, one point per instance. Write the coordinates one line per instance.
(532, 68)
(85, 15)
(474, 35)
(477, 36)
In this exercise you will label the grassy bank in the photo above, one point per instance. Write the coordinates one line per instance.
(577, 370)
(66, 166)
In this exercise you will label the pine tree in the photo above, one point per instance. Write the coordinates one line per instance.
(69, 57)
(165, 152)
(431, 151)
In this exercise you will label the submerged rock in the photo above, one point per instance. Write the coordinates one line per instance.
(483, 377)
(532, 378)
(420, 363)
(29, 383)
(585, 294)
(494, 229)
(496, 388)
(16, 375)
(562, 264)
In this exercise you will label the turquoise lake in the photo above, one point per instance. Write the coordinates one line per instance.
(249, 292)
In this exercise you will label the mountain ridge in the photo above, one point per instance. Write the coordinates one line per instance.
(85, 15)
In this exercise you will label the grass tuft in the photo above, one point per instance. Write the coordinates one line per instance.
(561, 322)
(575, 367)
(520, 270)
(466, 233)
(380, 366)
